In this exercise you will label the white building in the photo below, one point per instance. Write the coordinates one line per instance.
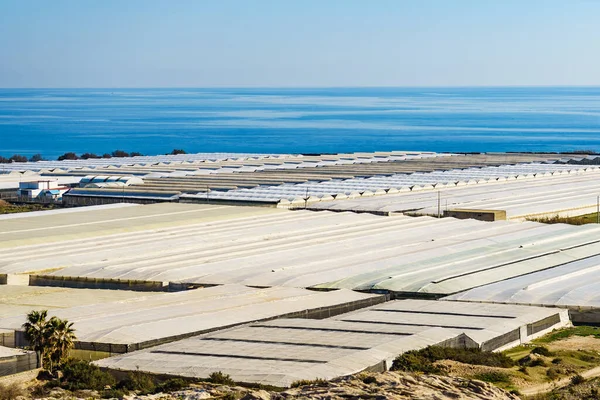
(49, 189)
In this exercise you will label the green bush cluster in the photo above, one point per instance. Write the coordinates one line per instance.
(587, 358)
(81, 375)
(493, 377)
(529, 361)
(553, 373)
(577, 380)
(220, 378)
(85, 156)
(369, 380)
(171, 385)
(423, 360)
(542, 351)
(137, 382)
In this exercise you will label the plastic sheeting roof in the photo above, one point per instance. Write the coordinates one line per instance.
(211, 162)
(18, 300)
(118, 161)
(47, 227)
(6, 352)
(573, 284)
(569, 194)
(380, 185)
(286, 350)
(58, 211)
(170, 315)
(316, 250)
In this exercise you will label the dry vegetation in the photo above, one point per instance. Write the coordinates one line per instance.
(9, 208)
(580, 220)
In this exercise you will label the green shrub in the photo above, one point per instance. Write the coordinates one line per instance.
(493, 377)
(369, 380)
(525, 360)
(523, 369)
(11, 391)
(139, 382)
(530, 361)
(81, 375)
(306, 382)
(542, 351)
(416, 361)
(114, 394)
(577, 379)
(556, 360)
(54, 383)
(220, 378)
(538, 362)
(587, 358)
(171, 385)
(422, 360)
(552, 373)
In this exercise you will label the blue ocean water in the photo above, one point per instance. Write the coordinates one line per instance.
(154, 121)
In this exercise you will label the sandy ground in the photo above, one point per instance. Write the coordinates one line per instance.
(23, 378)
(574, 343)
(546, 387)
(467, 370)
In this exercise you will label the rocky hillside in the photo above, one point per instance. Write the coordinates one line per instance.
(389, 385)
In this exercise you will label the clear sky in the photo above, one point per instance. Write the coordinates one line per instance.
(203, 43)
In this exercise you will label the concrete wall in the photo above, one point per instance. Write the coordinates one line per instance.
(502, 341)
(96, 283)
(481, 215)
(7, 338)
(18, 363)
(543, 324)
(332, 311)
(462, 341)
(585, 317)
(69, 200)
(189, 200)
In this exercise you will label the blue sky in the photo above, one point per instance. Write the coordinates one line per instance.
(205, 43)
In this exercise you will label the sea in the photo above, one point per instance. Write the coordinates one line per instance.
(308, 120)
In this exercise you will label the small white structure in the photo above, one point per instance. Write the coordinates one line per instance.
(49, 189)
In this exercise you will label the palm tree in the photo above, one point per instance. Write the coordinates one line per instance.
(61, 338)
(36, 332)
(50, 338)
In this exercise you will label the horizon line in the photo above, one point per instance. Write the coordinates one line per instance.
(304, 87)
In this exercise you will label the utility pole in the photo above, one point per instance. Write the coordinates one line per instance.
(439, 205)
(306, 199)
